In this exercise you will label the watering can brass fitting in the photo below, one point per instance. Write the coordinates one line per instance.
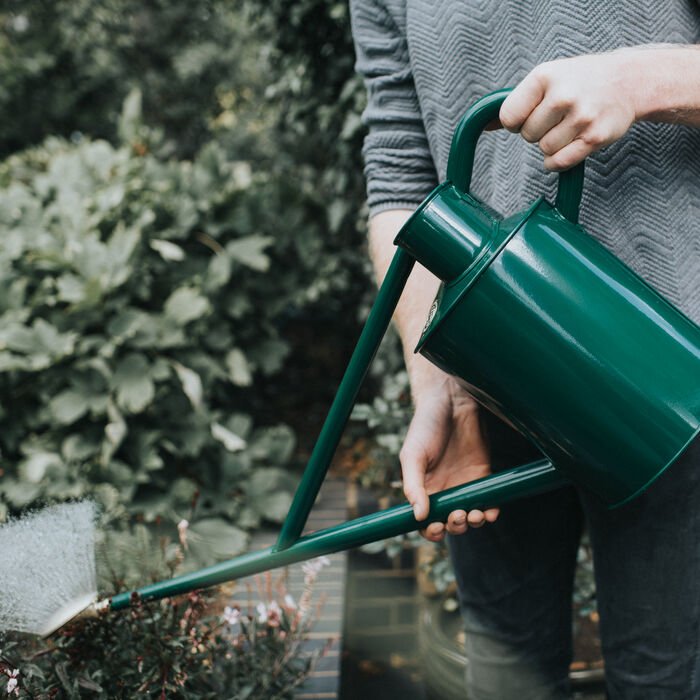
(546, 329)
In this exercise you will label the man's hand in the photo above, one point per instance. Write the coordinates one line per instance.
(575, 106)
(444, 447)
(572, 107)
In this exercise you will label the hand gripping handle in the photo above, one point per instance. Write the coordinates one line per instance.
(461, 161)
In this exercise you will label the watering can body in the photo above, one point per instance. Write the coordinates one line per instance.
(554, 334)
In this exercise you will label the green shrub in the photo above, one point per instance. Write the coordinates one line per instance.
(135, 311)
(147, 303)
(67, 65)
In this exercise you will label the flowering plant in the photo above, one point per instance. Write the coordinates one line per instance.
(193, 646)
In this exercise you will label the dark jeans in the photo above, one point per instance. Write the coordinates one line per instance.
(515, 581)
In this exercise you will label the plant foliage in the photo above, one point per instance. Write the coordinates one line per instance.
(67, 65)
(135, 313)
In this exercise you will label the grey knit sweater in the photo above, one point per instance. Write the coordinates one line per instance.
(424, 62)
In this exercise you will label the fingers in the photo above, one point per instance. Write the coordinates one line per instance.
(541, 121)
(568, 156)
(457, 522)
(492, 514)
(570, 118)
(425, 439)
(435, 532)
(560, 136)
(518, 106)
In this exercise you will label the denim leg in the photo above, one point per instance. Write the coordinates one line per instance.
(647, 564)
(515, 580)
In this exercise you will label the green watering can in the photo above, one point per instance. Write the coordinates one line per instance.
(546, 329)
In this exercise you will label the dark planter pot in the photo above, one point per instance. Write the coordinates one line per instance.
(444, 662)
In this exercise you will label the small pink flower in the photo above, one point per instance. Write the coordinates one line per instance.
(311, 568)
(13, 683)
(305, 601)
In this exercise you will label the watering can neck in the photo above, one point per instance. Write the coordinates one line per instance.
(449, 232)
(453, 234)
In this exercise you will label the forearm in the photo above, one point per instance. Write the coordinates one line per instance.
(668, 85)
(444, 446)
(415, 302)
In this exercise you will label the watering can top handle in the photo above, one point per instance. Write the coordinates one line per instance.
(461, 160)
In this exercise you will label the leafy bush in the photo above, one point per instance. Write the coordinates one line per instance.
(136, 310)
(67, 65)
(144, 299)
(318, 99)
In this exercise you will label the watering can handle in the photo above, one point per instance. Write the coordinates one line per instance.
(461, 160)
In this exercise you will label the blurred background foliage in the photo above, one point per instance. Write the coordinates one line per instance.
(182, 263)
(182, 257)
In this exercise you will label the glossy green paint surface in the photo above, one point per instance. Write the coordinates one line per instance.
(554, 334)
(567, 344)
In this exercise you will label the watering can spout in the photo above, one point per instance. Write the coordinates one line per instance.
(494, 490)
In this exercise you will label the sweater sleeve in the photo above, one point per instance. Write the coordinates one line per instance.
(399, 168)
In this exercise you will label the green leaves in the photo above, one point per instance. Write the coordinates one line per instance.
(138, 298)
(238, 368)
(249, 251)
(212, 540)
(142, 297)
(191, 384)
(186, 304)
(34, 467)
(229, 439)
(133, 385)
(167, 250)
(34, 347)
(68, 406)
(270, 492)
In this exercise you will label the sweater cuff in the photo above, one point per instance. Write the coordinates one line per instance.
(398, 168)
(389, 205)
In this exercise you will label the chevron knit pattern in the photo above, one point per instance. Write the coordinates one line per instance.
(425, 61)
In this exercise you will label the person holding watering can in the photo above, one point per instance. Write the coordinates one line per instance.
(619, 82)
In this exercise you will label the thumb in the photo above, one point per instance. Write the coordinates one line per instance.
(425, 440)
(413, 467)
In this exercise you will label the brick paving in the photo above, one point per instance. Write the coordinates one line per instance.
(330, 509)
